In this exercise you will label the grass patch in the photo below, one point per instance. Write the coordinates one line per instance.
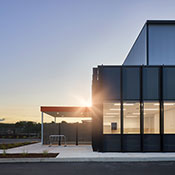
(14, 145)
(45, 152)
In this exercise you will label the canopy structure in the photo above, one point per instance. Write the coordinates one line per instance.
(64, 111)
(61, 111)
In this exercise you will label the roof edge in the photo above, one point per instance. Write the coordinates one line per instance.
(160, 21)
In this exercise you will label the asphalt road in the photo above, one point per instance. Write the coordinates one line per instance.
(146, 168)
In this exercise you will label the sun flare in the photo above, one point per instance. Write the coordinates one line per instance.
(82, 101)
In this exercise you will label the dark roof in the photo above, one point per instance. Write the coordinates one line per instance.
(160, 21)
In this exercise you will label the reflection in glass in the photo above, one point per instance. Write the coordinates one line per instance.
(111, 118)
(169, 118)
(151, 118)
(131, 117)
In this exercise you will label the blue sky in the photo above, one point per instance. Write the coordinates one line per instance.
(48, 48)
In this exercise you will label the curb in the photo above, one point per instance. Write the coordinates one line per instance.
(74, 160)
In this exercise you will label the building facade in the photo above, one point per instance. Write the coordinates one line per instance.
(134, 104)
(155, 45)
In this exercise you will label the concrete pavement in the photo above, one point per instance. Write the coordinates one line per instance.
(84, 153)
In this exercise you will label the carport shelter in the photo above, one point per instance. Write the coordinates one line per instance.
(64, 112)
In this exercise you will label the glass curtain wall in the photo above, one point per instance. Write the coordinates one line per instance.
(151, 118)
(111, 118)
(131, 117)
(169, 117)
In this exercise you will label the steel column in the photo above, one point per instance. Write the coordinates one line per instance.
(141, 110)
(59, 131)
(161, 108)
(121, 108)
(147, 44)
(76, 137)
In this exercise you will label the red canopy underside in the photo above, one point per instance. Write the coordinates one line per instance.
(64, 111)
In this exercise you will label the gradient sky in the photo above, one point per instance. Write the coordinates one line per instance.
(48, 48)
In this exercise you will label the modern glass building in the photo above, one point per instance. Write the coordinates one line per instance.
(134, 104)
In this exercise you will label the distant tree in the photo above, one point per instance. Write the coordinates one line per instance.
(28, 126)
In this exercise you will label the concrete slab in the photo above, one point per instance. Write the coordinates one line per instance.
(84, 153)
(32, 148)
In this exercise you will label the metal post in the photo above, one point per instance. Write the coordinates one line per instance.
(147, 44)
(76, 137)
(161, 109)
(55, 119)
(59, 132)
(141, 111)
(121, 108)
(42, 128)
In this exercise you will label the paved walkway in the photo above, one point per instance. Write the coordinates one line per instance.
(85, 153)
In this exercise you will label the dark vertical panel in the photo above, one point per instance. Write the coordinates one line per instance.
(94, 101)
(50, 129)
(84, 133)
(169, 142)
(111, 142)
(111, 83)
(69, 130)
(168, 83)
(151, 143)
(97, 114)
(151, 83)
(131, 83)
(131, 143)
(100, 108)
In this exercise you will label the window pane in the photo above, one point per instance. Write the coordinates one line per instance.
(131, 118)
(169, 118)
(151, 118)
(111, 118)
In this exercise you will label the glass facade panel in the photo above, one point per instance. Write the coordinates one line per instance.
(131, 117)
(131, 83)
(169, 117)
(168, 83)
(151, 118)
(137, 54)
(161, 44)
(111, 81)
(150, 83)
(111, 118)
